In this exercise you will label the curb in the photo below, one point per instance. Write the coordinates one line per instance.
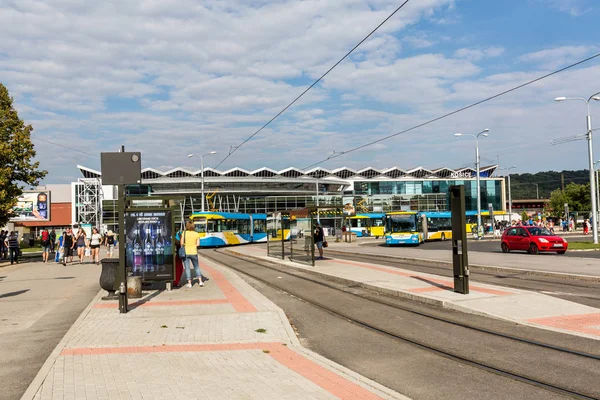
(588, 278)
(39, 379)
(449, 305)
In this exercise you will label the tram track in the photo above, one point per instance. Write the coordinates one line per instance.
(232, 261)
(584, 292)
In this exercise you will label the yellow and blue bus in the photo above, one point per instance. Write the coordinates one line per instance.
(227, 229)
(404, 227)
(436, 225)
(485, 220)
(368, 224)
(278, 225)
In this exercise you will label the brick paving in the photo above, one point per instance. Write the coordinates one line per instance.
(221, 341)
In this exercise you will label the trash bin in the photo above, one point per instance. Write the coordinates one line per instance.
(108, 277)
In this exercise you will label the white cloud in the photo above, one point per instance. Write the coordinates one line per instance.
(558, 56)
(478, 54)
(572, 7)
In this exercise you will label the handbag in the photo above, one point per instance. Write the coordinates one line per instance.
(181, 251)
(87, 252)
(325, 244)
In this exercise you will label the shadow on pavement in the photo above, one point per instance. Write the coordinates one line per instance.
(12, 294)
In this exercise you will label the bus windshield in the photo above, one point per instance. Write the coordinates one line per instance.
(403, 223)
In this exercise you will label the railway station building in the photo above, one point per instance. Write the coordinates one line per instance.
(267, 190)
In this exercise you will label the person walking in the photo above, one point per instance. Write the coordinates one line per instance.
(586, 227)
(95, 242)
(190, 240)
(52, 241)
(60, 250)
(68, 245)
(3, 248)
(80, 244)
(12, 243)
(319, 237)
(45, 241)
(110, 243)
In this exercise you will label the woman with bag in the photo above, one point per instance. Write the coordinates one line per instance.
(95, 242)
(190, 240)
(80, 244)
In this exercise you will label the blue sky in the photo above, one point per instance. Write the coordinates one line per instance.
(170, 78)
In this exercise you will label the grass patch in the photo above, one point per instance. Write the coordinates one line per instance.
(31, 249)
(261, 330)
(164, 326)
(583, 246)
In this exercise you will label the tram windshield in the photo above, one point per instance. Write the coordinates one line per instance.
(403, 223)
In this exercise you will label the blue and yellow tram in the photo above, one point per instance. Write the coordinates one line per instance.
(367, 224)
(403, 227)
(228, 229)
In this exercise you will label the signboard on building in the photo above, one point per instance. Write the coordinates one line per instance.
(149, 244)
(32, 206)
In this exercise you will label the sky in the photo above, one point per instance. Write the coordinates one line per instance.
(170, 78)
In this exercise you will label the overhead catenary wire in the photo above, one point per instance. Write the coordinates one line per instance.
(455, 111)
(233, 149)
(63, 146)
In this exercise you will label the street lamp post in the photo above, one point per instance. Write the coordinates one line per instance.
(597, 191)
(509, 194)
(202, 174)
(482, 133)
(590, 156)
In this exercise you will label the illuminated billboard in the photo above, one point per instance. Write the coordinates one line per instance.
(32, 206)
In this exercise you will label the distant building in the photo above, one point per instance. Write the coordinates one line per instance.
(266, 190)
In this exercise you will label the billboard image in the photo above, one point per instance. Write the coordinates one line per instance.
(32, 206)
(149, 244)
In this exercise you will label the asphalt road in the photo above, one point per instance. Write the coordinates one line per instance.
(493, 246)
(409, 369)
(38, 304)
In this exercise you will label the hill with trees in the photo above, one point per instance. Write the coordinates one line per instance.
(524, 186)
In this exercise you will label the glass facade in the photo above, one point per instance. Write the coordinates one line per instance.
(424, 195)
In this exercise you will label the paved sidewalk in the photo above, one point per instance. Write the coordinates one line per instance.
(550, 263)
(221, 341)
(514, 305)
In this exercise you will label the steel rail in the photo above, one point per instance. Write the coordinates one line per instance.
(456, 357)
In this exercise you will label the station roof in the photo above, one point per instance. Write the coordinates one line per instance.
(368, 173)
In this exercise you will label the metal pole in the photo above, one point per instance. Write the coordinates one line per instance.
(202, 179)
(317, 193)
(122, 270)
(509, 201)
(537, 191)
(597, 195)
(479, 227)
(592, 180)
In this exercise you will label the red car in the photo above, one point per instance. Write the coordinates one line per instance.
(532, 239)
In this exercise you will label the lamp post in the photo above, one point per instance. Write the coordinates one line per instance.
(597, 191)
(202, 173)
(509, 195)
(482, 133)
(590, 156)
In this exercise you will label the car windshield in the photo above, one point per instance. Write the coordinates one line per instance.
(540, 232)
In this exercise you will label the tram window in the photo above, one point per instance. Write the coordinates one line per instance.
(259, 226)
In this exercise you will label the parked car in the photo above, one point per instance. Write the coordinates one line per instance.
(532, 239)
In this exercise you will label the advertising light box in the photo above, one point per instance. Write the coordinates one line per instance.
(32, 206)
(149, 243)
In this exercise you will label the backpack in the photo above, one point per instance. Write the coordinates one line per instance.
(110, 239)
(45, 236)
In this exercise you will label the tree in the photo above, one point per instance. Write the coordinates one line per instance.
(576, 196)
(16, 156)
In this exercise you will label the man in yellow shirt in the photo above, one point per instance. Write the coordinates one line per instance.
(190, 240)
